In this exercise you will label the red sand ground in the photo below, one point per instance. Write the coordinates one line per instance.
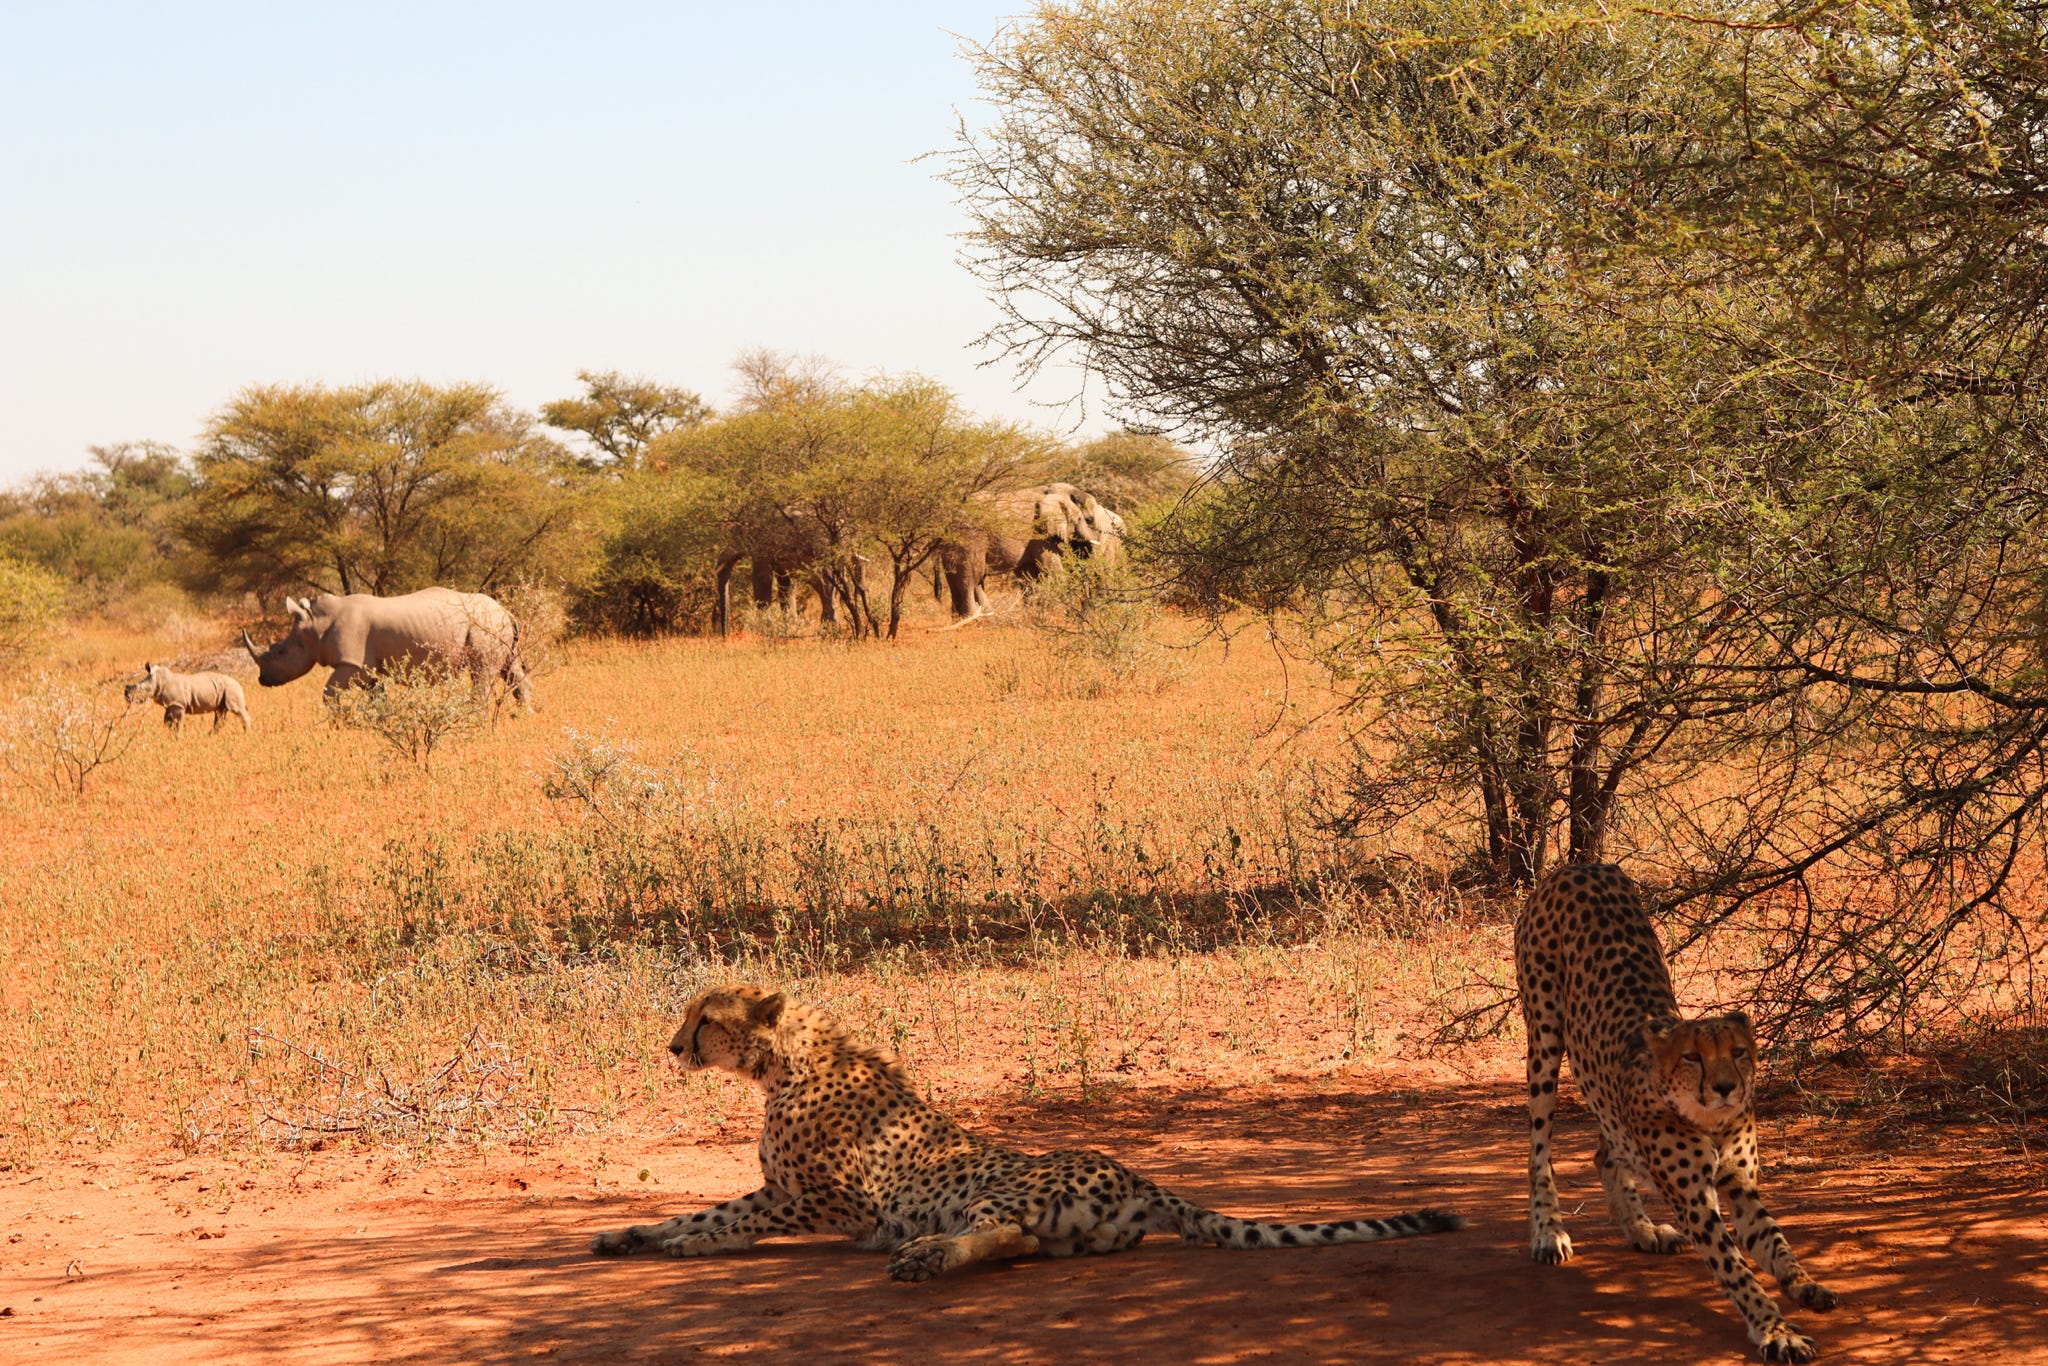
(1938, 1251)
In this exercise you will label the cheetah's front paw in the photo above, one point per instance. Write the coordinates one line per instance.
(612, 1244)
(698, 1245)
(1661, 1239)
(1813, 1295)
(1785, 1343)
(920, 1259)
(1551, 1246)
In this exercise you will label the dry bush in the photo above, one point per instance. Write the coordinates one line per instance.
(543, 616)
(1103, 623)
(301, 1097)
(416, 709)
(1136, 889)
(58, 734)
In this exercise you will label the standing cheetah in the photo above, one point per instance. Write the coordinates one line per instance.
(1672, 1095)
(847, 1146)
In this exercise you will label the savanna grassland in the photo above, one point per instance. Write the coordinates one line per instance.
(298, 1027)
(293, 936)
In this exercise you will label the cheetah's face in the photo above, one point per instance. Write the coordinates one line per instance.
(727, 1027)
(1705, 1067)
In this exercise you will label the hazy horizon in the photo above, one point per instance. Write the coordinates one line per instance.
(225, 195)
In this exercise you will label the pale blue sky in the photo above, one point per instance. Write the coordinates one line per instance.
(195, 197)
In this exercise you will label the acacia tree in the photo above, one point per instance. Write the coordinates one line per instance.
(376, 488)
(911, 474)
(107, 528)
(1327, 241)
(836, 477)
(623, 415)
(1636, 408)
(1863, 210)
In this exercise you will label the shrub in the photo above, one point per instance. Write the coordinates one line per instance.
(31, 599)
(59, 734)
(414, 708)
(1098, 614)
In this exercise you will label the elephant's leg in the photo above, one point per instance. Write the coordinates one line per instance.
(721, 602)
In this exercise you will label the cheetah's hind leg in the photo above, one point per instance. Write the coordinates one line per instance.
(997, 1239)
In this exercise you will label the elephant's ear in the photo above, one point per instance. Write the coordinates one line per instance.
(1054, 521)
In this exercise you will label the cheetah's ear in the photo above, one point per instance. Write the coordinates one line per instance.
(768, 1010)
(1740, 1019)
(1658, 1035)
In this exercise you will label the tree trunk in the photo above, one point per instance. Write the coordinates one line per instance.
(1589, 797)
(901, 582)
(721, 598)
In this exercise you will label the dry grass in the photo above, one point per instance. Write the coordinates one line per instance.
(290, 935)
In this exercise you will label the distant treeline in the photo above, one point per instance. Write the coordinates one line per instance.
(625, 498)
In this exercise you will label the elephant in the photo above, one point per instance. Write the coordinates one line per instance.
(357, 635)
(1064, 521)
(183, 695)
(778, 561)
(772, 577)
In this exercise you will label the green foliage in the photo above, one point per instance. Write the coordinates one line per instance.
(379, 488)
(654, 571)
(1421, 443)
(811, 474)
(623, 415)
(1640, 409)
(31, 600)
(1128, 470)
(106, 530)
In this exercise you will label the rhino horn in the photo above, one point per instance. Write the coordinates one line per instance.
(250, 645)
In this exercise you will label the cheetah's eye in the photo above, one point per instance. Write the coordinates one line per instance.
(1741, 1053)
(1692, 1057)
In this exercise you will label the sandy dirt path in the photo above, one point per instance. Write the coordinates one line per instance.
(354, 1258)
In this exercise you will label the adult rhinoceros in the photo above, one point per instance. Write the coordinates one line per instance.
(359, 634)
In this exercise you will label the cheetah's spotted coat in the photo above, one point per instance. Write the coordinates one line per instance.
(1672, 1096)
(848, 1146)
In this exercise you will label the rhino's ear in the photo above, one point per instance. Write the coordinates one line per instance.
(301, 611)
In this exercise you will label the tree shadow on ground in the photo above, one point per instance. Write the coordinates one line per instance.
(1937, 1260)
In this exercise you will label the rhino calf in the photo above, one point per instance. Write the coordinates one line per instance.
(189, 694)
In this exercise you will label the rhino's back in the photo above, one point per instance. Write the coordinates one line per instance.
(373, 631)
(211, 692)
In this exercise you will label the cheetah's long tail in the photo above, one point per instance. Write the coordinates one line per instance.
(1198, 1225)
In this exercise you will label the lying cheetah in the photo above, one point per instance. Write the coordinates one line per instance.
(1672, 1096)
(848, 1147)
